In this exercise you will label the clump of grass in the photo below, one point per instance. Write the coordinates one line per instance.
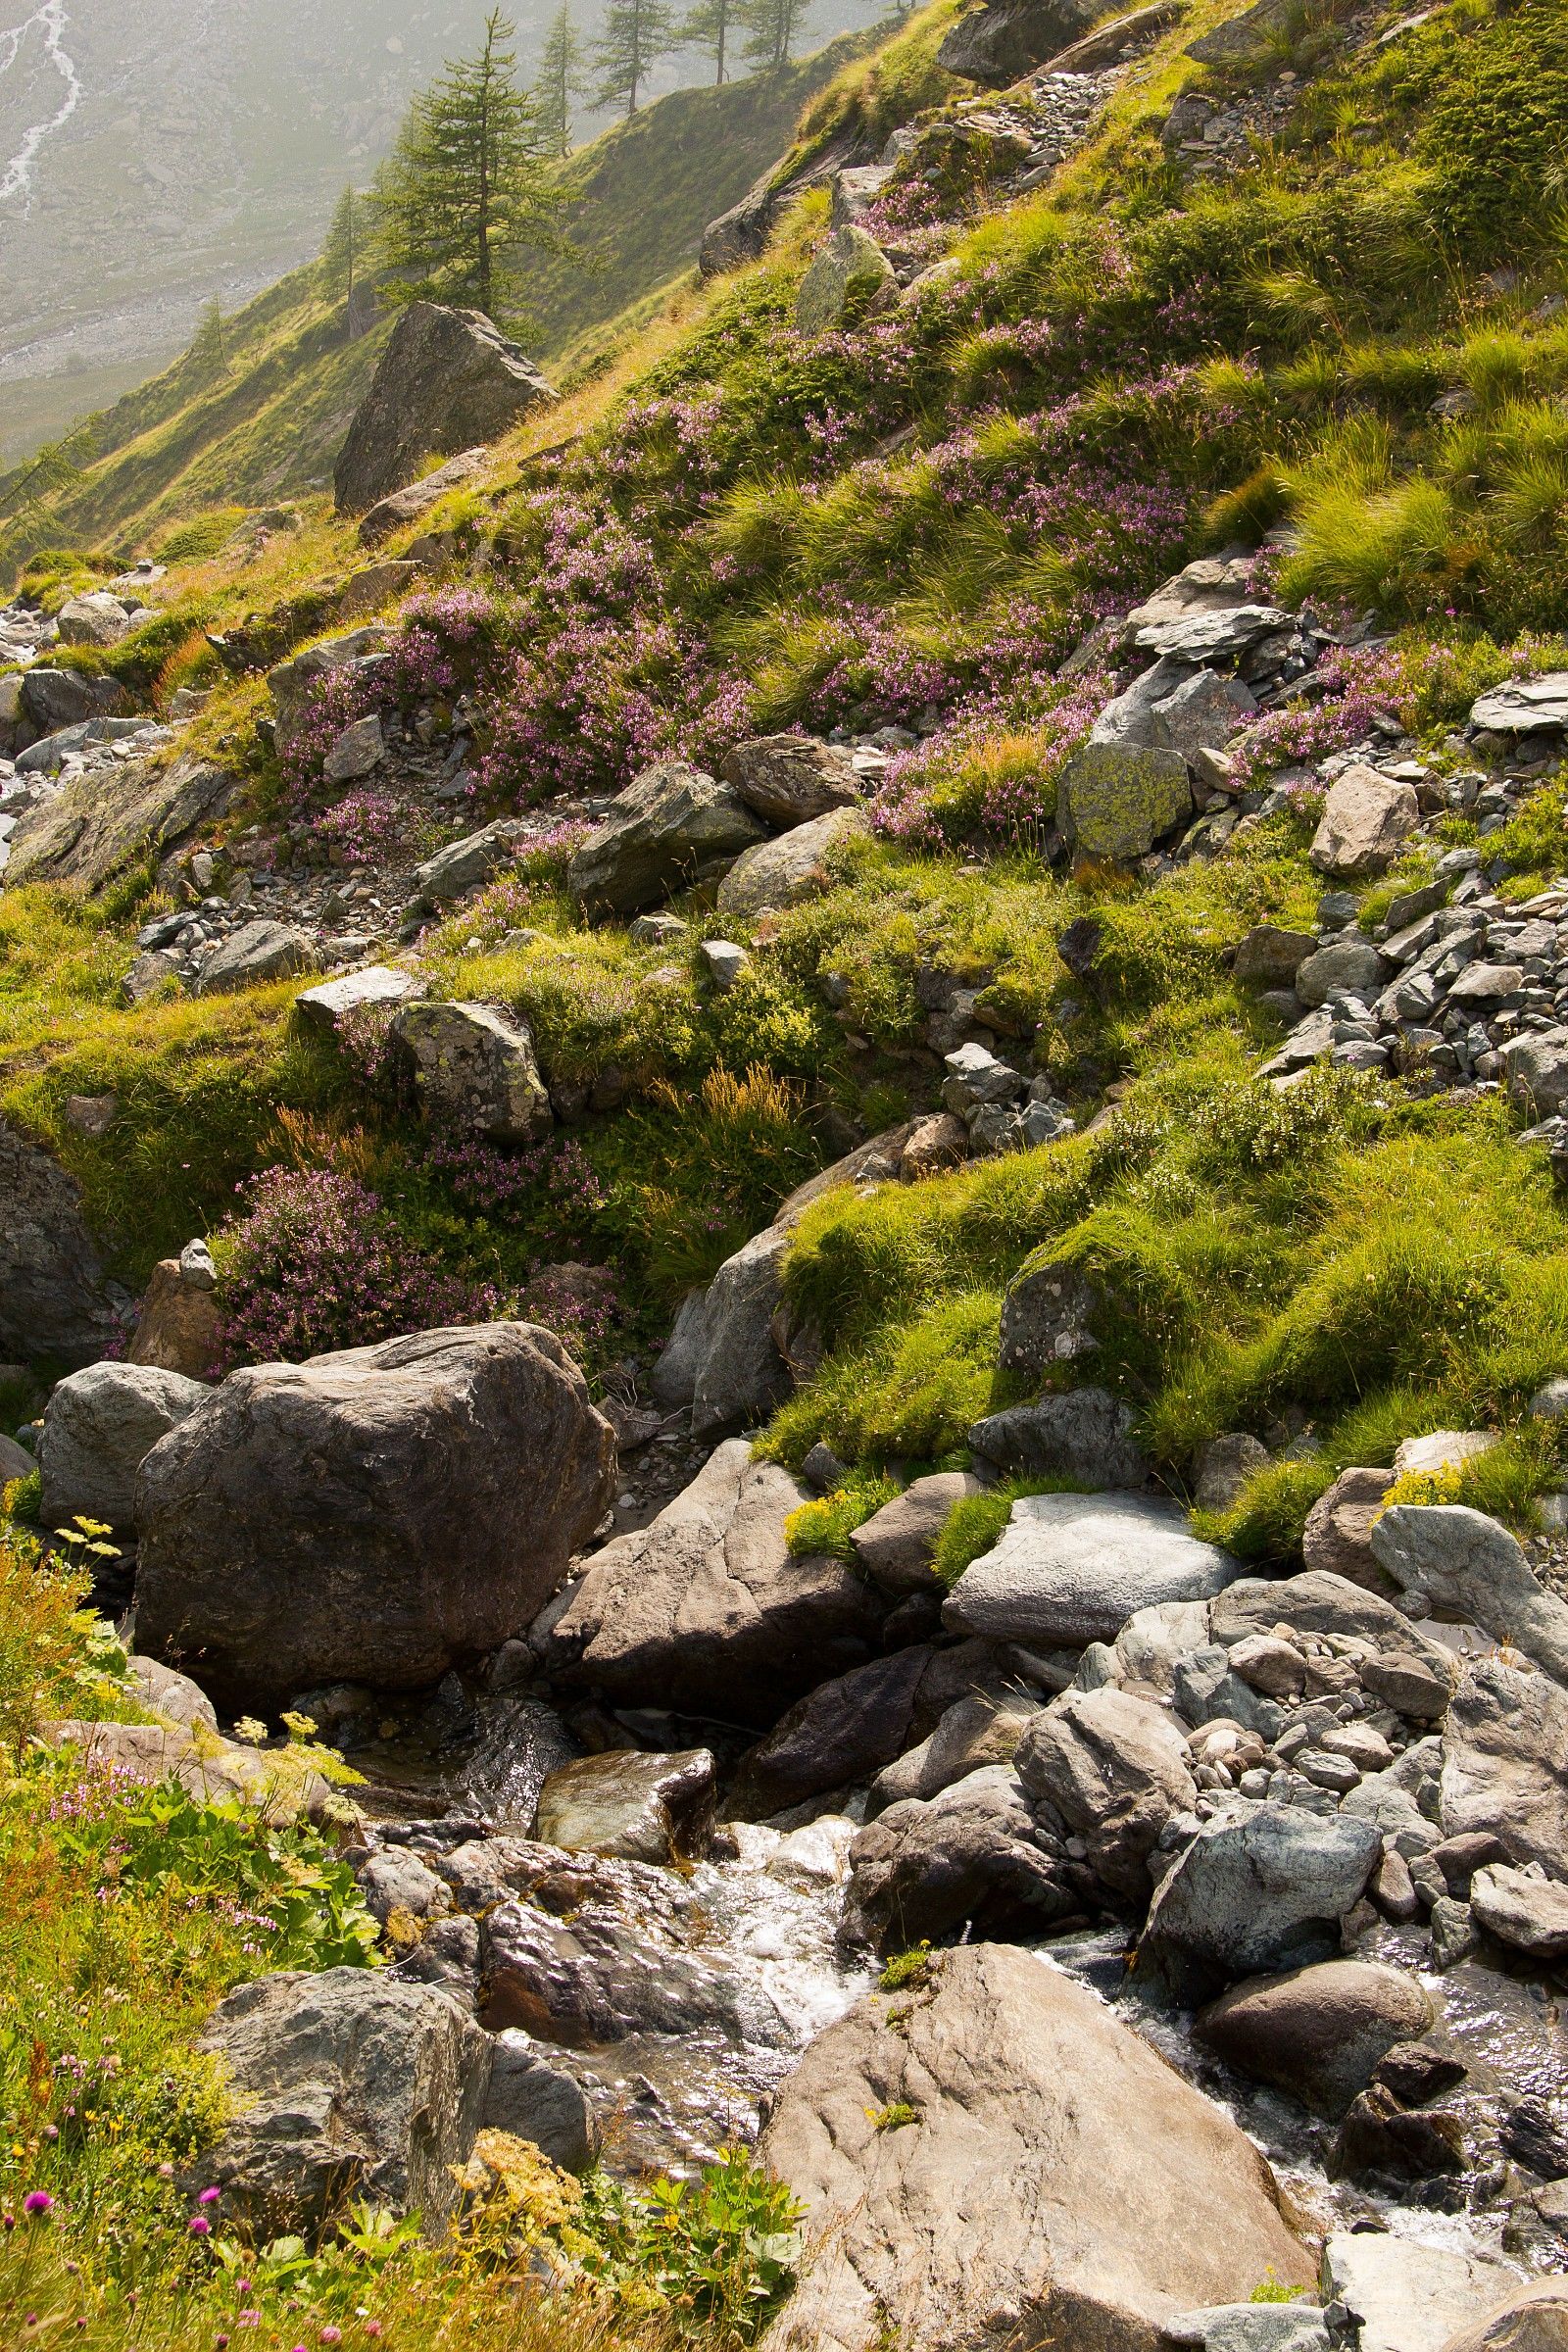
(827, 1524)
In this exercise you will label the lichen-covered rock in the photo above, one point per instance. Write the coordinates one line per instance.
(780, 873)
(789, 779)
(472, 1071)
(850, 267)
(1116, 800)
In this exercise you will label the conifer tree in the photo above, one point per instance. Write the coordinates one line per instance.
(636, 34)
(559, 82)
(467, 185)
(712, 25)
(342, 256)
(208, 355)
(771, 27)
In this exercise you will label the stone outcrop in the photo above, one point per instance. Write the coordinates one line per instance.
(345, 2084)
(1056, 2180)
(780, 873)
(99, 1427)
(55, 1296)
(447, 380)
(707, 1610)
(789, 779)
(673, 827)
(999, 42)
(1070, 1569)
(376, 1516)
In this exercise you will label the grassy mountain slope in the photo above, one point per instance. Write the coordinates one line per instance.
(1346, 350)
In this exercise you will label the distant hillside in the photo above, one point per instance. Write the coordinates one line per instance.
(646, 189)
(270, 427)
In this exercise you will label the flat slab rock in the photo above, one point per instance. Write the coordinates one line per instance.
(1057, 2182)
(1411, 2297)
(1071, 1569)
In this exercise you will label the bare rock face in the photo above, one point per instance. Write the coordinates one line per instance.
(1057, 2182)
(54, 1297)
(671, 828)
(707, 1610)
(1365, 820)
(997, 43)
(447, 380)
(374, 1516)
(99, 1427)
(788, 779)
(1318, 2032)
(1113, 1770)
(179, 1327)
(346, 2086)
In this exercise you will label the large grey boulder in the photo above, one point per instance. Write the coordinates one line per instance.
(1524, 1909)
(99, 1427)
(970, 1856)
(1366, 819)
(1317, 2033)
(1004, 40)
(472, 1071)
(1112, 1769)
(97, 619)
(52, 698)
(1059, 2183)
(1404, 2294)
(533, 2100)
(378, 1515)
(1261, 1891)
(55, 1298)
(641, 1807)
(849, 266)
(673, 827)
(254, 954)
(1445, 1556)
(789, 779)
(1085, 1435)
(1071, 1569)
(447, 380)
(345, 2086)
(780, 873)
(706, 1610)
(1505, 1763)
(1250, 2328)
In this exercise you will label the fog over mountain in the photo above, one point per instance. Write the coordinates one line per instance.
(155, 155)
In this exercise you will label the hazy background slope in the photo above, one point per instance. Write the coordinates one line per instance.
(154, 152)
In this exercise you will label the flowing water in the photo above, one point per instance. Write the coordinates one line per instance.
(765, 1912)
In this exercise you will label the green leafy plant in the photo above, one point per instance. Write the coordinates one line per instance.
(718, 2252)
(827, 1524)
(288, 1881)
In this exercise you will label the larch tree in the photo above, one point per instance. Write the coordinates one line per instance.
(711, 25)
(469, 186)
(343, 255)
(559, 82)
(636, 33)
(208, 355)
(770, 29)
